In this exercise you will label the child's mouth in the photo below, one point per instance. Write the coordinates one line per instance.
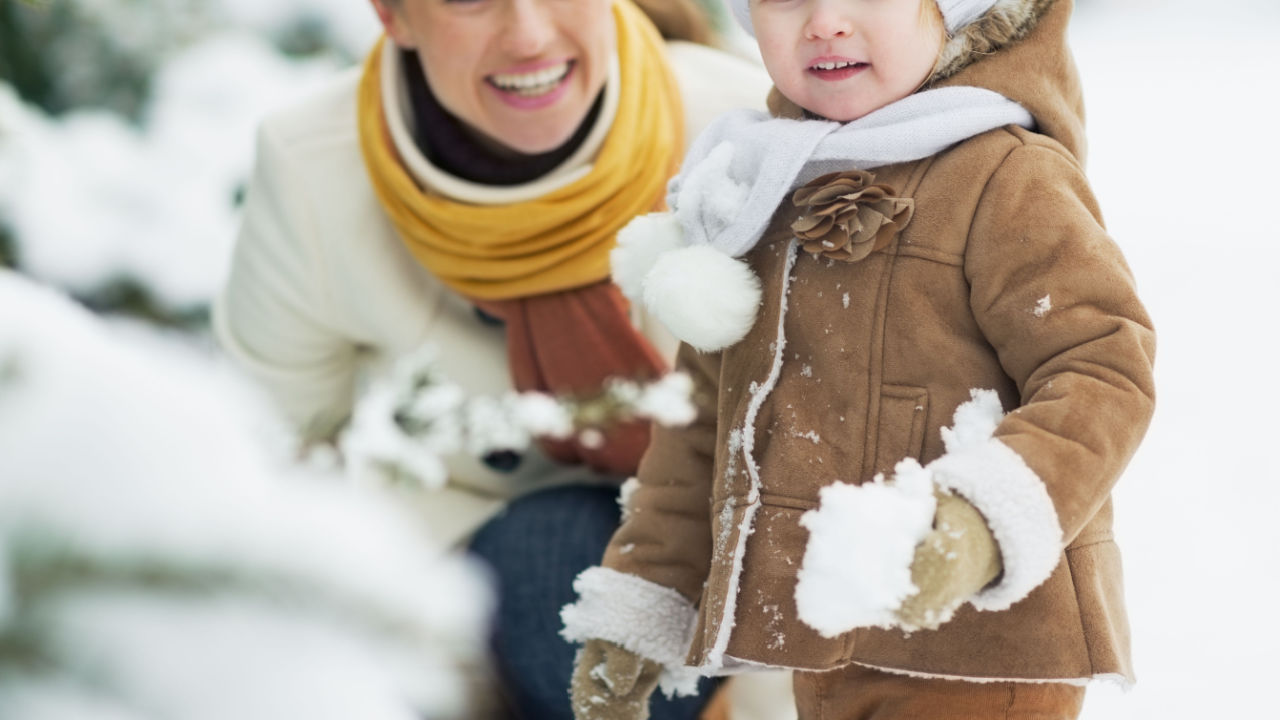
(837, 69)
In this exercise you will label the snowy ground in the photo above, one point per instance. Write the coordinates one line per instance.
(1183, 142)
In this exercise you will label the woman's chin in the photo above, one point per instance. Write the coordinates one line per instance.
(530, 133)
(524, 142)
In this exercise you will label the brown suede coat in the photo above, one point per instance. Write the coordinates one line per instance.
(879, 354)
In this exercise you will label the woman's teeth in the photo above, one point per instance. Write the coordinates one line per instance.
(532, 84)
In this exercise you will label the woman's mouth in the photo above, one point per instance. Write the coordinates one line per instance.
(533, 89)
(837, 69)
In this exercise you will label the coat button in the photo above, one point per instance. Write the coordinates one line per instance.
(487, 319)
(503, 460)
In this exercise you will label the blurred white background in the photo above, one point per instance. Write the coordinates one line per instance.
(126, 133)
(1182, 98)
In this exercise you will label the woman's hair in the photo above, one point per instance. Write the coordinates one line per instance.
(680, 19)
(675, 19)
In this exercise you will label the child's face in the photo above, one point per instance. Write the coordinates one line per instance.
(842, 59)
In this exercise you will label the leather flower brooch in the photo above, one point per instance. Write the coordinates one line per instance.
(844, 216)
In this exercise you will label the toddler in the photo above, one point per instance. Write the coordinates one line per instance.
(896, 295)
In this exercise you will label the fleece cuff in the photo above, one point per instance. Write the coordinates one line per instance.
(651, 620)
(1018, 510)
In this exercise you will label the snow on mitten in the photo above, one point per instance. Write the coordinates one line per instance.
(958, 558)
(856, 570)
(611, 683)
(899, 553)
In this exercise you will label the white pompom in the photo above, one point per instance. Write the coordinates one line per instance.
(640, 242)
(703, 296)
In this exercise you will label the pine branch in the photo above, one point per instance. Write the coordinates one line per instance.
(38, 575)
(406, 425)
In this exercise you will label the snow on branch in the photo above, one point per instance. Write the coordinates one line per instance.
(152, 564)
(405, 424)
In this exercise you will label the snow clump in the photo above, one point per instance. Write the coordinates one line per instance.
(856, 570)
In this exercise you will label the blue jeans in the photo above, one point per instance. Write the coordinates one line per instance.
(536, 547)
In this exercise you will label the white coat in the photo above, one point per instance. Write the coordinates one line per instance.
(322, 292)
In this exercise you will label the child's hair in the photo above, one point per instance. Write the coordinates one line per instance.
(931, 14)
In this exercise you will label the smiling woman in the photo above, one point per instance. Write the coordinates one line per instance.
(463, 188)
(523, 73)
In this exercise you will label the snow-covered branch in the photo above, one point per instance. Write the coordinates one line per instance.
(406, 424)
(126, 136)
(154, 564)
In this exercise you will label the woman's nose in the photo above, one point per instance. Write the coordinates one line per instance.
(828, 19)
(529, 27)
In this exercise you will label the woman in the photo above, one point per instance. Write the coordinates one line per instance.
(464, 189)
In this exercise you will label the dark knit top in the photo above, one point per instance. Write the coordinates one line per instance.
(450, 146)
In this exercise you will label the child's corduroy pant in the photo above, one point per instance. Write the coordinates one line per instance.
(859, 693)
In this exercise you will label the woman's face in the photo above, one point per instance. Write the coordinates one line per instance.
(842, 59)
(522, 73)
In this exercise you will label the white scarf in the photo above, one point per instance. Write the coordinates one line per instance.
(681, 265)
(745, 163)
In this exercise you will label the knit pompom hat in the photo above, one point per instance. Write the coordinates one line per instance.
(955, 13)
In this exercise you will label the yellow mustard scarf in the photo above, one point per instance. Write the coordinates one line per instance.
(558, 241)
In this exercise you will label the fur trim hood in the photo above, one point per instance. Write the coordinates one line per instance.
(1018, 48)
(1005, 23)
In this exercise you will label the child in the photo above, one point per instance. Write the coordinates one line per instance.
(919, 247)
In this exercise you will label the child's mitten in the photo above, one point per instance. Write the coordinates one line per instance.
(611, 682)
(958, 558)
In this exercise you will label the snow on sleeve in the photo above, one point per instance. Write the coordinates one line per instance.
(1011, 497)
(862, 538)
(625, 494)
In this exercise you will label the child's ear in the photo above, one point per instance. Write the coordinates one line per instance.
(389, 14)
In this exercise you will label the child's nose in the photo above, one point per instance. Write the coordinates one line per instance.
(827, 20)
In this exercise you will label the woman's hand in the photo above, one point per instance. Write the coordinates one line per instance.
(612, 683)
